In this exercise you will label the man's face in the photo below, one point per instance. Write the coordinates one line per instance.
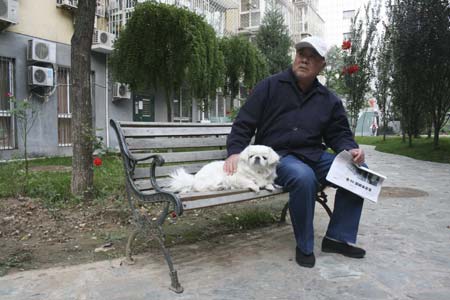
(307, 64)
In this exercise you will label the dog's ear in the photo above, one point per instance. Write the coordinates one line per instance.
(245, 154)
(273, 157)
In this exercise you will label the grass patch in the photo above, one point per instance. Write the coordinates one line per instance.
(52, 186)
(422, 148)
(248, 219)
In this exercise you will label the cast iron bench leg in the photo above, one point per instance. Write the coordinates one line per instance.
(175, 284)
(128, 250)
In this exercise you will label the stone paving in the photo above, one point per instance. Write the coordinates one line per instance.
(407, 241)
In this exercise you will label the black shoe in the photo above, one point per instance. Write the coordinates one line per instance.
(342, 248)
(305, 260)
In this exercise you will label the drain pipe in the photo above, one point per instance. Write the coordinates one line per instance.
(107, 102)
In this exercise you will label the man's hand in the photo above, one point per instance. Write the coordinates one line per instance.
(358, 155)
(230, 165)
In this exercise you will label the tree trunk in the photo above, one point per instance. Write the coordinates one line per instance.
(82, 131)
(169, 105)
(436, 136)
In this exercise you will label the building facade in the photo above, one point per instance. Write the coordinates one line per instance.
(338, 15)
(35, 63)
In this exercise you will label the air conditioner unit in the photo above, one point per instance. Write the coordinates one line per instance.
(40, 76)
(102, 41)
(121, 91)
(41, 51)
(67, 4)
(9, 11)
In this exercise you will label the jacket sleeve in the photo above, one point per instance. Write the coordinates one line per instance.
(338, 135)
(248, 119)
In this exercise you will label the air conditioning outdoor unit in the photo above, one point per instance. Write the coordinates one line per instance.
(67, 4)
(40, 76)
(121, 91)
(102, 41)
(41, 51)
(9, 11)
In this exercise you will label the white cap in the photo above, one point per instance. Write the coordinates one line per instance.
(313, 42)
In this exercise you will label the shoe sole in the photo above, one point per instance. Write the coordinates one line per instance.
(342, 253)
(306, 265)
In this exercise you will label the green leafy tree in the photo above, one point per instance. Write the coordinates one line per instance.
(166, 46)
(244, 63)
(421, 55)
(274, 41)
(359, 60)
(383, 79)
(333, 71)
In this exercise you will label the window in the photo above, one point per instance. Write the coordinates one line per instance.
(348, 14)
(64, 111)
(217, 108)
(250, 13)
(7, 134)
(182, 106)
(347, 36)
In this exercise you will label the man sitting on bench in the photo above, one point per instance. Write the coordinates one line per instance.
(293, 113)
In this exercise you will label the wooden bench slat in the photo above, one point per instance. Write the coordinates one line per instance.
(145, 184)
(167, 142)
(125, 124)
(172, 157)
(166, 170)
(175, 131)
(220, 200)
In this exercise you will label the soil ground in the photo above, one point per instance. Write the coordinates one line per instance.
(34, 237)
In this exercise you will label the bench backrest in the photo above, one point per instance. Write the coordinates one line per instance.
(187, 145)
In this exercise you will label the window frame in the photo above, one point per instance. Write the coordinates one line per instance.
(7, 113)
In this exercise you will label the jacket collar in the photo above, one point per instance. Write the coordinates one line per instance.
(288, 76)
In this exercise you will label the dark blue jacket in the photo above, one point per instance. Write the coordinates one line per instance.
(290, 121)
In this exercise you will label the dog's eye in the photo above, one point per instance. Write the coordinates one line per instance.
(251, 156)
(264, 157)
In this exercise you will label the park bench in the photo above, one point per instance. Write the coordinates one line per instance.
(151, 151)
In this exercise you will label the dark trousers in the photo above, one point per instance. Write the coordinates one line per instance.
(301, 180)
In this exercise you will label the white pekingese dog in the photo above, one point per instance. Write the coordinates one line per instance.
(256, 169)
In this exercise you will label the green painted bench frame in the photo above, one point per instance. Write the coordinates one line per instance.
(151, 151)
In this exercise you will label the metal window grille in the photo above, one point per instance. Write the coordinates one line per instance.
(182, 106)
(7, 128)
(222, 15)
(64, 111)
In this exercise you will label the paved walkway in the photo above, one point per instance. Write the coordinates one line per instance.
(407, 239)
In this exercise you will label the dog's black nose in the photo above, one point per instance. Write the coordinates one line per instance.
(257, 160)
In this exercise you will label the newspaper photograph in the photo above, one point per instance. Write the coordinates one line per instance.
(357, 179)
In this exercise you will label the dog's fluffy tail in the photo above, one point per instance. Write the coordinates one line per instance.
(181, 181)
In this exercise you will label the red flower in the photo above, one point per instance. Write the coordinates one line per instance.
(350, 69)
(173, 214)
(8, 94)
(346, 45)
(98, 161)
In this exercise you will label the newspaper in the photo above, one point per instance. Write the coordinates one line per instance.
(357, 179)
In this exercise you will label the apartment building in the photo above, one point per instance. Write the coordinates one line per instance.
(338, 15)
(300, 16)
(35, 65)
